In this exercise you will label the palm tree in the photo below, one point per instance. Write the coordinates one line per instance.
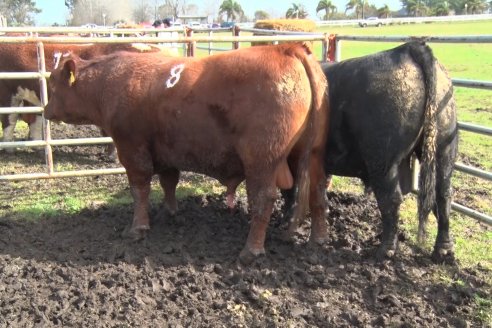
(441, 9)
(384, 11)
(296, 11)
(358, 5)
(231, 8)
(327, 6)
(415, 7)
(476, 6)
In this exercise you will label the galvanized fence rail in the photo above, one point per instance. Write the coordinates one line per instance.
(190, 40)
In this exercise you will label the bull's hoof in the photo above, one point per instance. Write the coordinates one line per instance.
(385, 252)
(136, 233)
(318, 240)
(166, 212)
(247, 256)
(444, 254)
(171, 210)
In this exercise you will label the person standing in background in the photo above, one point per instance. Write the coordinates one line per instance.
(164, 24)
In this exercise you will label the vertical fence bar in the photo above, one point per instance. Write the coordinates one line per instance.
(332, 47)
(415, 165)
(338, 52)
(191, 44)
(210, 44)
(236, 31)
(43, 92)
(324, 49)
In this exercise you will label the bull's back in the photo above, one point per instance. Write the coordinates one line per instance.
(377, 111)
(212, 115)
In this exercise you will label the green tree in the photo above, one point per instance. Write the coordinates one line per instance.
(261, 14)
(415, 7)
(296, 11)
(358, 6)
(328, 7)
(232, 9)
(476, 6)
(19, 12)
(440, 9)
(384, 11)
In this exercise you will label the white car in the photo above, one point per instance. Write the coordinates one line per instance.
(371, 21)
(194, 25)
(90, 25)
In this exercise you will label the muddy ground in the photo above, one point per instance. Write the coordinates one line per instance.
(77, 270)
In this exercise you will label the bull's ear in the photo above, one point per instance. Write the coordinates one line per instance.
(69, 71)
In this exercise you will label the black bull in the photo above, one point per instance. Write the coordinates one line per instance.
(384, 108)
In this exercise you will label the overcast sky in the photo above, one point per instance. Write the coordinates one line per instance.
(55, 10)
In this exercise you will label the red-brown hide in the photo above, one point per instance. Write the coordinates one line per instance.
(23, 58)
(235, 116)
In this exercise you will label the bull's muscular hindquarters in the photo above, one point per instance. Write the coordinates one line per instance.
(384, 108)
(234, 116)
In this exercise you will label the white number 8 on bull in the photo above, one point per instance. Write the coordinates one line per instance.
(175, 75)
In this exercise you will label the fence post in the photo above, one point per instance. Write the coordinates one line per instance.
(191, 45)
(210, 44)
(324, 48)
(332, 47)
(235, 31)
(338, 53)
(43, 93)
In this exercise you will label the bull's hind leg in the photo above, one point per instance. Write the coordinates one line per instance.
(389, 197)
(262, 193)
(443, 248)
(169, 180)
(139, 170)
(318, 201)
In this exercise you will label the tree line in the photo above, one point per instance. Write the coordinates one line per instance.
(107, 12)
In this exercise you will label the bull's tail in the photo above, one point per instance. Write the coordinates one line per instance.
(423, 55)
(314, 124)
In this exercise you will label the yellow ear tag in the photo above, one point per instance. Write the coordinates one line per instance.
(72, 79)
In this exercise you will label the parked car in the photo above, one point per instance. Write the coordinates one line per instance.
(371, 21)
(194, 24)
(227, 24)
(89, 25)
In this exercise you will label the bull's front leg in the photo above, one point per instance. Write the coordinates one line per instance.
(36, 128)
(261, 197)
(8, 124)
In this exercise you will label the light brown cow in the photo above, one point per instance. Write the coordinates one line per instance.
(235, 116)
(23, 58)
